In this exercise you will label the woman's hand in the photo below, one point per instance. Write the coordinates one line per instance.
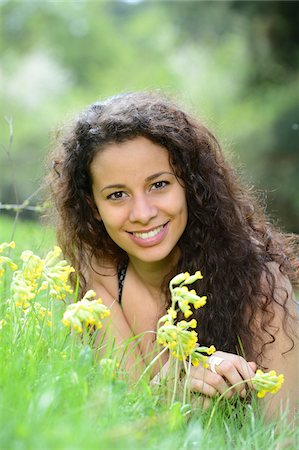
(232, 369)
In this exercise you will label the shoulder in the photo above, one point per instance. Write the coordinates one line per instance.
(278, 313)
(278, 287)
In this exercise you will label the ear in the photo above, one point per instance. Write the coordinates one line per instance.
(93, 207)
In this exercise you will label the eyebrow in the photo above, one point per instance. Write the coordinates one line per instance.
(149, 178)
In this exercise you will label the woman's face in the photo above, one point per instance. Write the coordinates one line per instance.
(139, 199)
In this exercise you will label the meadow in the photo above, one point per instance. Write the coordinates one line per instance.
(55, 393)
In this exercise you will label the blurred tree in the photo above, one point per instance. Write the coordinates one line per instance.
(263, 122)
(273, 38)
(58, 57)
(235, 62)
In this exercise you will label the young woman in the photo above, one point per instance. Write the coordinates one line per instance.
(143, 192)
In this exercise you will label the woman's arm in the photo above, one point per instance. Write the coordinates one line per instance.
(283, 354)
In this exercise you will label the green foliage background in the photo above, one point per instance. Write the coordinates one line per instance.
(233, 63)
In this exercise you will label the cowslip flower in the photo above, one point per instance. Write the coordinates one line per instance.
(56, 275)
(26, 280)
(182, 343)
(23, 290)
(32, 267)
(267, 382)
(179, 337)
(86, 312)
(38, 274)
(5, 259)
(183, 296)
(197, 356)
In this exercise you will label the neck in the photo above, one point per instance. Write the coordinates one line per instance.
(152, 274)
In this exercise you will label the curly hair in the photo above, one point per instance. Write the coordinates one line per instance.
(227, 235)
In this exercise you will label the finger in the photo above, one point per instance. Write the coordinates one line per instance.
(212, 379)
(234, 369)
(253, 366)
(229, 372)
(202, 387)
(247, 370)
(204, 402)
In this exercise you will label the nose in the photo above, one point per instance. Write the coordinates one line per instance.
(142, 210)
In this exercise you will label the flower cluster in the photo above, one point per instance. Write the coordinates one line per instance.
(85, 312)
(38, 274)
(6, 259)
(56, 275)
(267, 382)
(181, 294)
(180, 338)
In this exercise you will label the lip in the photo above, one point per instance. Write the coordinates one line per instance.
(149, 229)
(154, 240)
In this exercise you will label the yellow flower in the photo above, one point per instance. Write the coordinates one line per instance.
(6, 245)
(38, 274)
(198, 358)
(267, 382)
(56, 275)
(23, 290)
(200, 302)
(6, 259)
(187, 312)
(211, 350)
(177, 337)
(191, 279)
(172, 312)
(184, 298)
(178, 279)
(85, 312)
(193, 323)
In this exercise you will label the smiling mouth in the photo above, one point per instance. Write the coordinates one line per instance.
(148, 234)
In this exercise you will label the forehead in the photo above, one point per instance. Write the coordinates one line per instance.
(126, 159)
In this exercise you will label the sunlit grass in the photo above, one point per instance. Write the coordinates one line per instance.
(56, 395)
(27, 234)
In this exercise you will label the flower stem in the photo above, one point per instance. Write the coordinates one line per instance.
(151, 364)
(176, 370)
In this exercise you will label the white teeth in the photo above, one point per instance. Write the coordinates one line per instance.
(150, 234)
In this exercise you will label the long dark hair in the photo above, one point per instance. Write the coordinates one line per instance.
(227, 236)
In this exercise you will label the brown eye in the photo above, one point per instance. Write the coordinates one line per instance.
(159, 184)
(116, 195)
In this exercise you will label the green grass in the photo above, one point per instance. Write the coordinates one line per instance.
(56, 395)
(27, 234)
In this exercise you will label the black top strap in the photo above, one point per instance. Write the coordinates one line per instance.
(121, 274)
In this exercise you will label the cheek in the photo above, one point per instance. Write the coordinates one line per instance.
(184, 215)
(181, 203)
(111, 218)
